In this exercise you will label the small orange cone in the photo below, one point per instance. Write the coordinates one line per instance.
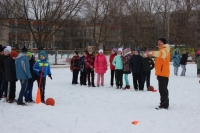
(38, 97)
(135, 122)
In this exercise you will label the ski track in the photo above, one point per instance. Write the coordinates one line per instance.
(80, 109)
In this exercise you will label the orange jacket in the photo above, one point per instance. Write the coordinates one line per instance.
(162, 62)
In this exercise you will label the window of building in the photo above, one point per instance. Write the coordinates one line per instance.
(90, 32)
(34, 44)
(85, 32)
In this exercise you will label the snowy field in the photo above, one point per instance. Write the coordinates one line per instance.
(81, 109)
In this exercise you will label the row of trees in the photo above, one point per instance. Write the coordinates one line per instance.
(126, 22)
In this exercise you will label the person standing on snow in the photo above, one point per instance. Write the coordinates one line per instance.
(89, 61)
(23, 73)
(198, 63)
(29, 89)
(146, 66)
(83, 76)
(75, 67)
(183, 63)
(100, 66)
(10, 76)
(112, 67)
(7, 51)
(117, 62)
(42, 69)
(126, 69)
(176, 60)
(134, 65)
(162, 69)
(1, 70)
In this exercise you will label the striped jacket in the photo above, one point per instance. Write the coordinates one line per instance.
(162, 63)
(43, 66)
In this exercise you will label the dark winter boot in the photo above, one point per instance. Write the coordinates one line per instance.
(117, 87)
(128, 87)
(125, 87)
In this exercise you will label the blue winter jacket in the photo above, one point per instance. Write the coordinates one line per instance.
(176, 57)
(43, 66)
(22, 67)
(134, 63)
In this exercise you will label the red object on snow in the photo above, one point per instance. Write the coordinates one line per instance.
(135, 122)
(150, 88)
(154, 90)
(50, 101)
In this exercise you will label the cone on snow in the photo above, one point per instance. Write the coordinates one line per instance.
(38, 97)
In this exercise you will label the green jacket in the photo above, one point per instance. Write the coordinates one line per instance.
(117, 62)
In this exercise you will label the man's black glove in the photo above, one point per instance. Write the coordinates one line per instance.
(41, 72)
(50, 76)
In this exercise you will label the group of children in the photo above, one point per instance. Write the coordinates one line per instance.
(122, 62)
(22, 67)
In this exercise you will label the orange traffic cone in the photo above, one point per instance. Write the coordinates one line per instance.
(38, 97)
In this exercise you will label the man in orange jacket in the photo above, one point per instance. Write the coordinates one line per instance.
(162, 68)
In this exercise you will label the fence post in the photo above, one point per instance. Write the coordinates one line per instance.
(56, 59)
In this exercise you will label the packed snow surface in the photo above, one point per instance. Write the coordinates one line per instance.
(80, 109)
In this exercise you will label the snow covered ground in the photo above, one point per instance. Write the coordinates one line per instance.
(81, 109)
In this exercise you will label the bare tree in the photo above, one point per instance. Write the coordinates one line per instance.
(45, 17)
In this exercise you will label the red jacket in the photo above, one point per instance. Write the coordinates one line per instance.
(100, 64)
(89, 60)
(74, 65)
(112, 67)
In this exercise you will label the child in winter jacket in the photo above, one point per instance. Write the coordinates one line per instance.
(117, 62)
(146, 66)
(126, 68)
(112, 67)
(100, 66)
(198, 63)
(29, 88)
(176, 60)
(4, 86)
(89, 61)
(23, 73)
(74, 67)
(10, 76)
(83, 69)
(42, 69)
(134, 64)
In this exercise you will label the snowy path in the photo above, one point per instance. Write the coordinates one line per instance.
(81, 109)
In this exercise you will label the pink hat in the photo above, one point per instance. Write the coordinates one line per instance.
(127, 50)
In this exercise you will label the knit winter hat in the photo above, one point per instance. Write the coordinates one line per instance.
(76, 52)
(24, 50)
(43, 53)
(100, 51)
(120, 49)
(29, 55)
(8, 49)
(163, 40)
(90, 49)
(114, 50)
(13, 54)
(138, 50)
(127, 50)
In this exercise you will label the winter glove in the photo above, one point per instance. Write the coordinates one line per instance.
(40, 72)
(50, 76)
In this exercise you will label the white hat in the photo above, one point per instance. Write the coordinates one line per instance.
(120, 49)
(8, 49)
(100, 50)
